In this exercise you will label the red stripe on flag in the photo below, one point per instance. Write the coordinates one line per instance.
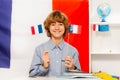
(94, 27)
(33, 30)
(79, 29)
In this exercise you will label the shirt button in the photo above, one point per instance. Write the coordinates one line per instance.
(57, 61)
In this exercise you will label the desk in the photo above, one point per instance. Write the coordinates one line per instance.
(39, 78)
(55, 78)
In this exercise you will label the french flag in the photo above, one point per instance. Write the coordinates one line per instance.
(101, 27)
(75, 29)
(36, 29)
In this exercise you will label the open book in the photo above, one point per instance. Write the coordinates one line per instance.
(78, 75)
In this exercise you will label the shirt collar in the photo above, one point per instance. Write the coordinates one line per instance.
(53, 45)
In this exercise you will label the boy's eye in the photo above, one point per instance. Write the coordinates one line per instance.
(61, 24)
(52, 24)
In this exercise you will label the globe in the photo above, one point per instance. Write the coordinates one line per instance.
(103, 11)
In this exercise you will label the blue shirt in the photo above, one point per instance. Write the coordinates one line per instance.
(57, 53)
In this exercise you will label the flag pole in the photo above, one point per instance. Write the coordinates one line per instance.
(68, 42)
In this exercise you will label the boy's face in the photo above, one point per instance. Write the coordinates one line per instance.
(57, 30)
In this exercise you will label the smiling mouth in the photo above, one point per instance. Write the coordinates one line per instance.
(57, 31)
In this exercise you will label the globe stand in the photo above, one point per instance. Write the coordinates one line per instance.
(103, 20)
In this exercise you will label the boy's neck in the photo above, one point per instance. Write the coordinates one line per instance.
(57, 41)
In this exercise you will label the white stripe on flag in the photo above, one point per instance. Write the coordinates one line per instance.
(36, 29)
(75, 29)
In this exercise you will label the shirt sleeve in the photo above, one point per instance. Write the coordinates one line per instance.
(76, 61)
(36, 68)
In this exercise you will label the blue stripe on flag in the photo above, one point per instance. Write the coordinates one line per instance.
(103, 28)
(5, 32)
(70, 28)
(40, 28)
